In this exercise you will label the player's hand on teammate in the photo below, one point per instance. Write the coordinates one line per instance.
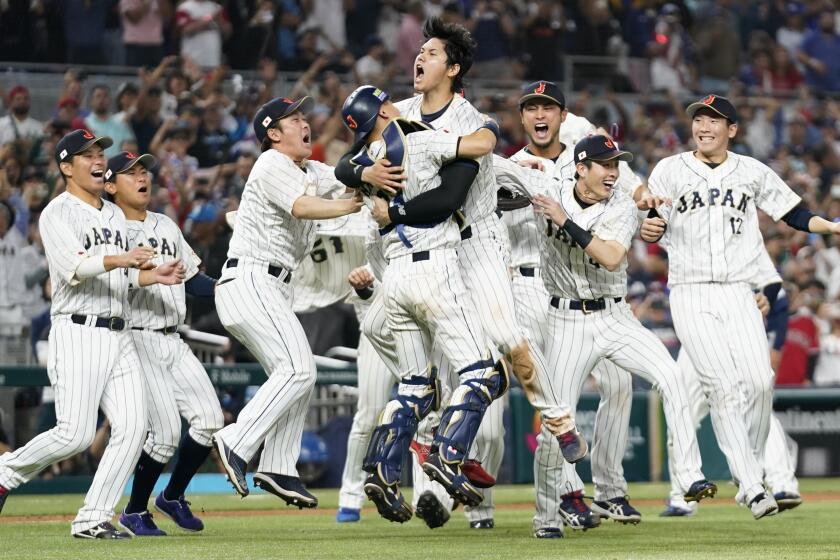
(648, 201)
(532, 164)
(384, 176)
(763, 303)
(170, 273)
(352, 202)
(652, 229)
(379, 211)
(360, 278)
(136, 257)
(550, 208)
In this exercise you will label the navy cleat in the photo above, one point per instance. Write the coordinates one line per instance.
(700, 489)
(617, 509)
(235, 467)
(450, 476)
(786, 500)
(140, 524)
(573, 446)
(348, 515)
(576, 514)
(431, 511)
(389, 501)
(288, 488)
(548, 533)
(179, 512)
(102, 531)
(483, 524)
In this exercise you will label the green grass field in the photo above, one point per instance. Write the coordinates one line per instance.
(35, 527)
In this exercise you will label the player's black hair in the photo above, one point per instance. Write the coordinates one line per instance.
(460, 46)
(268, 142)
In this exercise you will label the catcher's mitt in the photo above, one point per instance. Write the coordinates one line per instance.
(508, 200)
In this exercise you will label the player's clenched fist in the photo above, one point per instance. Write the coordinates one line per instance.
(652, 229)
(136, 257)
(360, 278)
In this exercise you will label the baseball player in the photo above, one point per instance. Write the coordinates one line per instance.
(176, 382)
(543, 113)
(779, 463)
(439, 71)
(424, 300)
(583, 269)
(92, 361)
(711, 235)
(274, 230)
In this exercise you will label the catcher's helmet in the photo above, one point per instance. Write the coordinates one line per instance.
(361, 108)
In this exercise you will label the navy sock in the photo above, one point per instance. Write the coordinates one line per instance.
(146, 474)
(191, 456)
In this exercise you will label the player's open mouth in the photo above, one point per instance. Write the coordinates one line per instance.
(306, 139)
(97, 173)
(610, 184)
(143, 190)
(541, 131)
(418, 72)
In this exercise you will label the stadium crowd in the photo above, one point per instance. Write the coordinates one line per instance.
(779, 62)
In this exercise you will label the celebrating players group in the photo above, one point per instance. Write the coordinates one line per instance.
(468, 272)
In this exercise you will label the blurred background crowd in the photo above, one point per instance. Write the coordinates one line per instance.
(183, 79)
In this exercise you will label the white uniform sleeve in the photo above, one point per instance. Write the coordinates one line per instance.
(440, 146)
(774, 196)
(618, 223)
(63, 248)
(281, 182)
(523, 180)
(574, 129)
(328, 185)
(189, 259)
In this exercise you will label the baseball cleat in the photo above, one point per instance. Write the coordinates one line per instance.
(4, 493)
(576, 514)
(700, 489)
(102, 531)
(573, 446)
(617, 509)
(235, 467)
(139, 524)
(684, 509)
(431, 511)
(476, 474)
(785, 500)
(288, 488)
(483, 524)
(452, 479)
(348, 515)
(390, 502)
(179, 512)
(763, 505)
(548, 533)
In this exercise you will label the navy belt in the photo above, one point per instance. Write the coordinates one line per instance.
(275, 271)
(420, 256)
(110, 323)
(165, 330)
(587, 305)
(527, 271)
(466, 233)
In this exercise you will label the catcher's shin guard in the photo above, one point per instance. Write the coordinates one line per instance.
(461, 418)
(397, 425)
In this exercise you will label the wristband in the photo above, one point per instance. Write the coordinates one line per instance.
(364, 293)
(493, 127)
(580, 235)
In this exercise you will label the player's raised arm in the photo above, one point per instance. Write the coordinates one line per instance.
(479, 143)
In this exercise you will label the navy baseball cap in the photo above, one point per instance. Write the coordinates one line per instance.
(600, 148)
(124, 161)
(720, 105)
(361, 108)
(276, 109)
(542, 90)
(77, 142)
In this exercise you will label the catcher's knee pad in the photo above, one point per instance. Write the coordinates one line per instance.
(392, 436)
(461, 419)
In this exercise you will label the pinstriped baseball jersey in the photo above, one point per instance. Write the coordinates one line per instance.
(426, 151)
(462, 118)
(265, 229)
(712, 232)
(567, 270)
(159, 306)
(73, 230)
(375, 251)
(574, 129)
(321, 278)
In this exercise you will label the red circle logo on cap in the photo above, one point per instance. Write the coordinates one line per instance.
(709, 100)
(87, 134)
(287, 100)
(540, 88)
(130, 155)
(609, 143)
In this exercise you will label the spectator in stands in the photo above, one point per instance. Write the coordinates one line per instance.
(18, 126)
(142, 24)
(102, 123)
(669, 52)
(126, 100)
(212, 143)
(84, 29)
(373, 67)
(792, 33)
(288, 22)
(493, 29)
(176, 90)
(784, 75)
(543, 37)
(820, 54)
(827, 371)
(68, 112)
(802, 345)
(204, 26)
(146, 118)
(718, 52)
(11, 277)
